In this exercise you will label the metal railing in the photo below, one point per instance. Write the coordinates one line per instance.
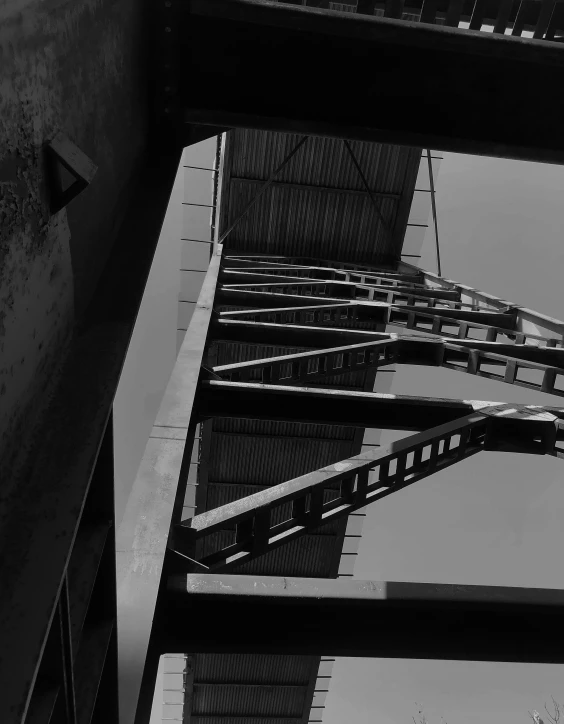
(542, 19)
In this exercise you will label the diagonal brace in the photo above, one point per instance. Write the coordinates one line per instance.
(273, 517)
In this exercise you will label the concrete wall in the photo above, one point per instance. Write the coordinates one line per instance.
(77, 68)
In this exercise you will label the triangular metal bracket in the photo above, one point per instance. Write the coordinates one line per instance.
(62, 152)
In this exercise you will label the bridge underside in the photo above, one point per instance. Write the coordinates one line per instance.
(394, 82)
(368, 78)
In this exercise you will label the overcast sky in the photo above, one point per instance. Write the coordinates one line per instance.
(494, 519)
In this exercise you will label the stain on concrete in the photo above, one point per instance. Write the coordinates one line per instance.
(76, 66)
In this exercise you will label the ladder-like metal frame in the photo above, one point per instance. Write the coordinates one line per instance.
(332, 313)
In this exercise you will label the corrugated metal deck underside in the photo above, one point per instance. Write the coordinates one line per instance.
(317, 208)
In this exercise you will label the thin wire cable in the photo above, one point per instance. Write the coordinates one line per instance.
(262, 189)
(434, 207)
(368, 191)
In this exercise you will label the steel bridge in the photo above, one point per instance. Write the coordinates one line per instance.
(289, 334)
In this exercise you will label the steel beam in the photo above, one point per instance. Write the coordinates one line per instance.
(326, 406)
(530, 325)
(306, 366)
(156, 492)
(480, 75)
(273, 517)
(329, 268)
(316, 188)
(289, 335)
(471, 356)
(350, 290)
(270, 518)
(363, 618)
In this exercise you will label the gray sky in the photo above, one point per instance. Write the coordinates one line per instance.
(494, 519)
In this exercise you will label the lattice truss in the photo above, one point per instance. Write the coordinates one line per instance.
(333, 311)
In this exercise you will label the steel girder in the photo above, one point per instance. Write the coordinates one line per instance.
(334, 337)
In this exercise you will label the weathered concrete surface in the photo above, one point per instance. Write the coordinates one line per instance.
(77, 67)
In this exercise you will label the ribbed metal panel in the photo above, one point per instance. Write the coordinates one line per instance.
(279, 429)
(243, 720)
(321, 162)
(336, 222)
(231, 352)
(252, 668)
(287, 220)
(244, 700)
(308, 557)
(269, 461)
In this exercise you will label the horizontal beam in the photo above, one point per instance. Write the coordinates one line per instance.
(327, 406)
(430, 319)
(367, 105)
(362, 618)
(289, 335)
(321, 265)
(308, 334)
(350, 290)
(287, 274)
(311, 261)
(229, 296)
(471, 356)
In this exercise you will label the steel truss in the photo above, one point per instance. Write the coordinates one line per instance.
(334, 317)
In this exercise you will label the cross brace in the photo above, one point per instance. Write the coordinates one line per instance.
(270, 518)
(430, 315)
(469, 356)
(347, 290)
